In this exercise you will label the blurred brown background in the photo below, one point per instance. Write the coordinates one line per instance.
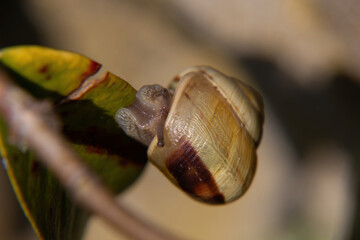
(303, 55)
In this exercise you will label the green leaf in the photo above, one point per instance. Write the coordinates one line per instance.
(87, 109)
(57, 72)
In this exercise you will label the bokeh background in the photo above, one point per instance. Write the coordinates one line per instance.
(302, 55)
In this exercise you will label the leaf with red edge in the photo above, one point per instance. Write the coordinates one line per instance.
(86, 109)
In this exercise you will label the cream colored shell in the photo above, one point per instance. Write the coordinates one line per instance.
(211, 133)
(245, 100)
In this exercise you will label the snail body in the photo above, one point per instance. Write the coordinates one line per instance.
(204, 136)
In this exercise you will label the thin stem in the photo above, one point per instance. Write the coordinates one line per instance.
(29, 121)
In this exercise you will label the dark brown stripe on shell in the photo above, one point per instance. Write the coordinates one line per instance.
(192, 175)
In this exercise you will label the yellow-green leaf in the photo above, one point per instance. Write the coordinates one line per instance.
(87, 111)
(55, 71)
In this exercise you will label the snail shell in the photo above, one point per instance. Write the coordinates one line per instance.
(204, 136)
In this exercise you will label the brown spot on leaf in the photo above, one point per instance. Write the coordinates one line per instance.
(44, 69)
(192, 175)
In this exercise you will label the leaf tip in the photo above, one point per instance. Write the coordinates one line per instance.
(92, 69)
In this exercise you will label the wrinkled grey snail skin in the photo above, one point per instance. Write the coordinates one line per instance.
(146, 117)
(204, 136)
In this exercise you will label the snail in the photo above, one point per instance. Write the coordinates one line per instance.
(203, 135)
